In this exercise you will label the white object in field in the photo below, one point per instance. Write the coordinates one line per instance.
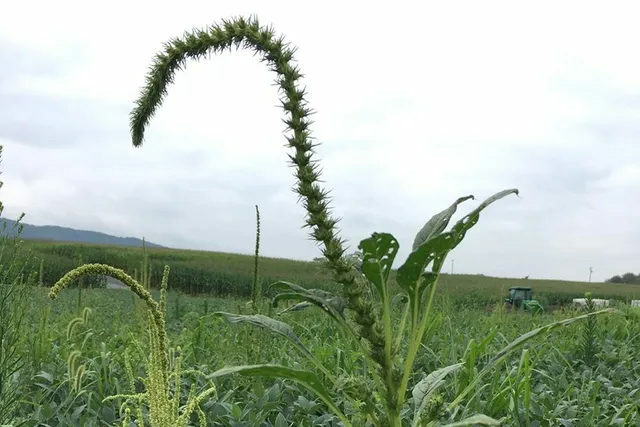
(635, 303)
(115, 283)
(582, 302)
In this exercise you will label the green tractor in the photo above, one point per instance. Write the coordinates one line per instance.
(520, 297)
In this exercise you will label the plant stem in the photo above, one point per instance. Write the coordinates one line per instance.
(414, 345)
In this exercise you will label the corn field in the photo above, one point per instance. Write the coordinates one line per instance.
(351, 341)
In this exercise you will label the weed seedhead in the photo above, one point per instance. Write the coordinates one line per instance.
(588, 341)
(256, 287)
(83, 320)
(366, 289)
(279, 56)
(164, 408)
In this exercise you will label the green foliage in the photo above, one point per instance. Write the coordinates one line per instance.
(588, 346)
(305, 378)
(383, 330)
(163, 404)
(367, 289)
(559, 388)
(256, 285)
(15, 281)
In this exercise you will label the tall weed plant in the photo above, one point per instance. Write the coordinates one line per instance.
(387, 323)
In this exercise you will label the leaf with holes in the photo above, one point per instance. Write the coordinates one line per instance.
(437, 223)
(378, 252)
(434, 249)
(469, 220)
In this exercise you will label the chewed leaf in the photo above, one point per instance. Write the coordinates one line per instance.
(436, 248)
(438, 243)
(462, 226)
(378, 252)
(275, 326)
(426, 387)
(437, 223)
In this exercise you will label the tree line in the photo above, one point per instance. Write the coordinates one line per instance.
(625, 278)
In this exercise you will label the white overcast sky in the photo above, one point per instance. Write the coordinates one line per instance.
(417, 103)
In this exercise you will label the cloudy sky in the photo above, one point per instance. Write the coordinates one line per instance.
(416, 106)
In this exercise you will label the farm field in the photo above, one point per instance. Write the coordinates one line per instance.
(547, 382)
(356, 338)
(225, 274)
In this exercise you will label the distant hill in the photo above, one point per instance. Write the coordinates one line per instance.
(64, 234)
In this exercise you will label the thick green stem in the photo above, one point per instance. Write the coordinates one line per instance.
(403, 324)
(388, 359)
(414, 346)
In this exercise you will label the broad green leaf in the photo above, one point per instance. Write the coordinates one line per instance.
(436, 248)
(307, 379)
(333, 305)
(479, 419)
(281, 421)
(279, 328)
(409, 273)
(315, 296)
(437, 223)
(516, 344)
(425, 388)
(378, 253)
(469, 220)
(275, 326)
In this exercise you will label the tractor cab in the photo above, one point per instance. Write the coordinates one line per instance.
(521, 297)
(518, 295)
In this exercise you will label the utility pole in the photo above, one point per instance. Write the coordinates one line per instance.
(452, 261)
(590, 272)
